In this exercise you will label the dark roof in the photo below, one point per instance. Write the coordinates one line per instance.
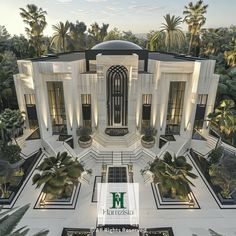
(116, 45)
(163, 56)
(66, 57)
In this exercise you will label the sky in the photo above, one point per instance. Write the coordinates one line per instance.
(139, 16)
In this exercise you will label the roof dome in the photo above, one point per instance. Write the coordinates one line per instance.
(116, 45)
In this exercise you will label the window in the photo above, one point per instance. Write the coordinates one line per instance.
(86, 109)
(146, 110)
(200, 112)
(29, 99)
(175, 107)
(202, 99)
(31, 110)
(57, 107)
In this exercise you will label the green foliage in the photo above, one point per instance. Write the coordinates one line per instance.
(215, 155)
(173, 174)
(195, 19)
(58, 174)
(224, 117)
(9, 220)
(35, 20)
(11, 121)
(61, 37)
(149, 132)
(84, 133)
(221, 176)
(174, 36)
(77, 39)
(11, 153)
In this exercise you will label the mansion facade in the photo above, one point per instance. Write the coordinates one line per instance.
(116, 85)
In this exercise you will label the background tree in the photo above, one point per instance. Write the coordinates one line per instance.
(4, 38)
(156, 41)
(224, 118)
(114, 34)
(174, 35)
(61, 36)
(35, 18)
(195, 19)
(77, 36)
(8, 67)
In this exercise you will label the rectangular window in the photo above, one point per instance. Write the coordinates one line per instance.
(200, 113)
(57, 107)
(31, 110)
(29, 99)
(146, 110)
(202, 99)
(175, 107)
(86, 109)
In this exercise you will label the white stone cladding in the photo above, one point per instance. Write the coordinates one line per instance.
(198, 75)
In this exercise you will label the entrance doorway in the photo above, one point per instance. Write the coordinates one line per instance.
(117, 96)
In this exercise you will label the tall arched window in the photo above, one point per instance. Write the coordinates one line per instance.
(117, 95)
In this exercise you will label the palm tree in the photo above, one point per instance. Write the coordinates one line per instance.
(77, 36)
(155, 41)
(103, 31)
(230, 55)
(224, 117)
(59, 174)
(9, 220)
(172, 174)
(61, 36)
(195, 19)
(34, 17)
(174, 36)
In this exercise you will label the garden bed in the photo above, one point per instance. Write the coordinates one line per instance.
(201, 165)
(18, 182)
(163, 202)
(68, 203)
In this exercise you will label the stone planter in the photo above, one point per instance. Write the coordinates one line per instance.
(147, 144)
(85, 144)
(226, 201)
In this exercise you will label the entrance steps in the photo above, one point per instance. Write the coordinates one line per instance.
(116, 141)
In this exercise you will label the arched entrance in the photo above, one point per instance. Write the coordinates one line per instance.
(117, 96)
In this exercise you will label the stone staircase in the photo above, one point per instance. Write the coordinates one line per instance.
(118, 141)
(211, 142)
(21, 140)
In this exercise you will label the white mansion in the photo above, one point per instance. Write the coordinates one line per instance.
(116, 84)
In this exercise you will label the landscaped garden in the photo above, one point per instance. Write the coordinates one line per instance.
(219, 169)
(14, 169)
(172, 176)
(60, 177)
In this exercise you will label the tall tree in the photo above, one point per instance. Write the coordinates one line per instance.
(174, 35)
(4, 38)
(20, 46)
(35, 18)
(77, 36)
(156, 41)
(61, 36)
(195, 19)
(114, 34)
(97, 33)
